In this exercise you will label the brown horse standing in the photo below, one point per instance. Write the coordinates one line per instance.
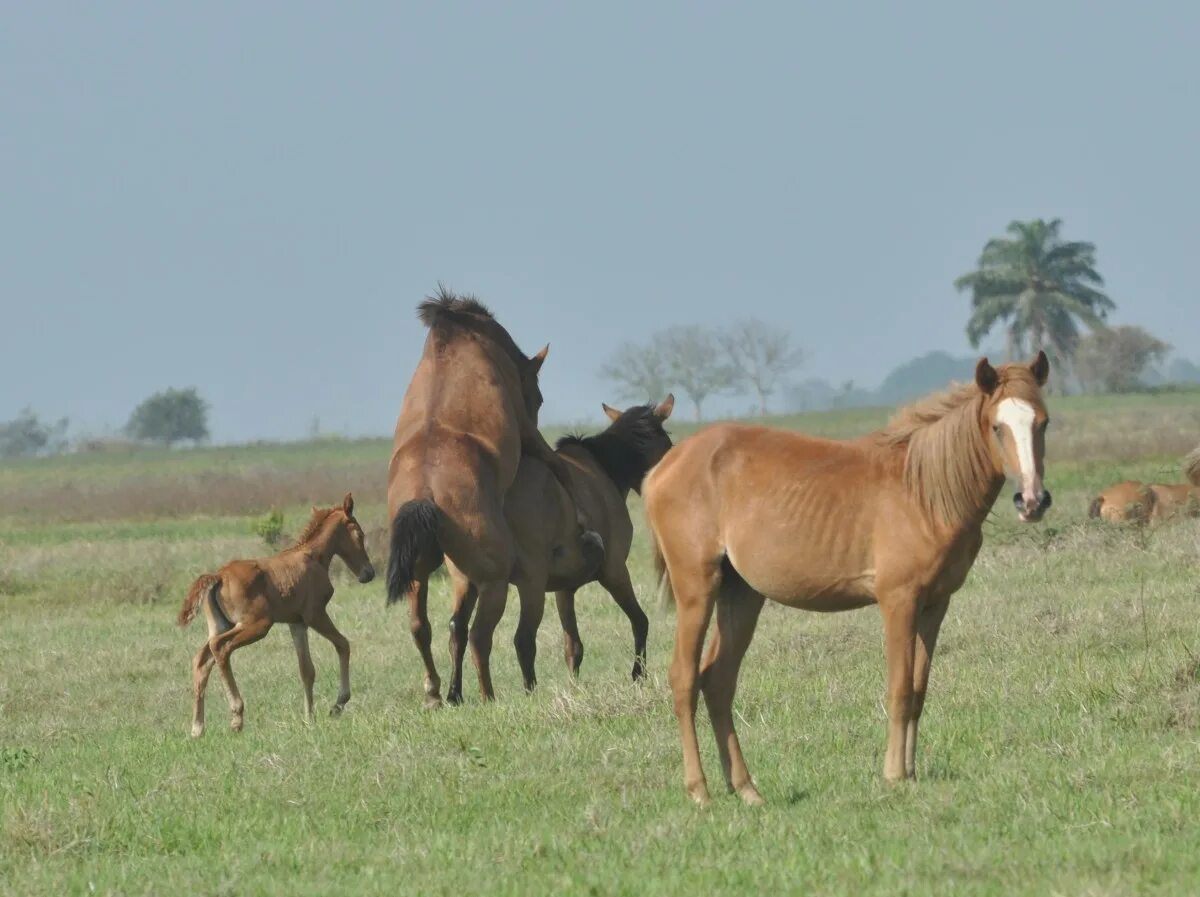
(1135, 502)
(541, 515)
(738, 514)
(469, 414)
(244, 599)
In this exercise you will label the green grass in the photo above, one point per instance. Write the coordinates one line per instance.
(1060, 748)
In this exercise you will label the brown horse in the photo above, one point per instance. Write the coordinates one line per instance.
(468, 416)
(739, 513)
(1135, 502)
(244, 599)
(541, 515)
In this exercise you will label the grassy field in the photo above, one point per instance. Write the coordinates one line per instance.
(1060, 749)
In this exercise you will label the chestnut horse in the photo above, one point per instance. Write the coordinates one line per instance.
(740, 513)
(1135, 502)
(243, 599)
(468, 416)
(541, 515)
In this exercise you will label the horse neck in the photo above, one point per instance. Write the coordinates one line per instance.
(319, 545)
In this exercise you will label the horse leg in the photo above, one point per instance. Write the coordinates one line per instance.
(320, 621)
(899, 635)
(492, 598)
(201, 666)
(564, 600)
(422, 633)
(620, 587)
(929, 622)
(465, 598)
(307, 672)
(738, 607)
(244, 633)
(694, 597)
(533, 607)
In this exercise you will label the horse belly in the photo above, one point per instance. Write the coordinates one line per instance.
(807, 583)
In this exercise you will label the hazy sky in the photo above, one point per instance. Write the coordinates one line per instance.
(252, 198)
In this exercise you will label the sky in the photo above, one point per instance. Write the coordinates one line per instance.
(253, 198)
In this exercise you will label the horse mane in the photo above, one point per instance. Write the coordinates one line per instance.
(314, 525)
(947, 456)
(447, 311)
(623, 449)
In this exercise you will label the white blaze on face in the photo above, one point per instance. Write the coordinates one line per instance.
(1019, 416)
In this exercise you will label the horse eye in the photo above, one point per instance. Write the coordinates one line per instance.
(996, 429)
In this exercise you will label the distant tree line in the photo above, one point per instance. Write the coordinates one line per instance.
(746, 358)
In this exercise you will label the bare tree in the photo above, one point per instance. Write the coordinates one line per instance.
(693, 360)
(761, 356)
(1114, 359)
(639, 373)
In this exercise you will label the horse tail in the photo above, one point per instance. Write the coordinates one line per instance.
(666, 594)
(1191, 466)
(414, 536)
(191, 604)
(1096, 505)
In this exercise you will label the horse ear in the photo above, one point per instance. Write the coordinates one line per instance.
(664, 408)
(986, 377)
(613, 413)
(537, 360)
(348, 504)
(1041, 368)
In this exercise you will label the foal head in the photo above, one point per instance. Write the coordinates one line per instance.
(348, 542)
(1015, 419)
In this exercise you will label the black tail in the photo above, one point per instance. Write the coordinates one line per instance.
(1094, 508)
(414, 536)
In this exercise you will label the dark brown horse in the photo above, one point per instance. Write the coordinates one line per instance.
(469, 415)
(243, 599)
(541, 515)
(738, 514)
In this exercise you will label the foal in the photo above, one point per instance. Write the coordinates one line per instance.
(244, 599)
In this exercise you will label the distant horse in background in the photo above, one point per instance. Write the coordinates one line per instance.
(541, 514)
(1132, 501)
(243, 599)
(741, 513)
(468, 416)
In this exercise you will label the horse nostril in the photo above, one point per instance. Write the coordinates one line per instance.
(1047, 499)
(1019, 501)
(367, 574)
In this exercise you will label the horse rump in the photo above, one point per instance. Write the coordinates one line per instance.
(414, 537)
(1095, 506)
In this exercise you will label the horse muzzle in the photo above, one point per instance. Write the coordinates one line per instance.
(366, 574)
(1031, 513)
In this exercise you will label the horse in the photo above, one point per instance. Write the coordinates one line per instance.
(243, 599)
(468, 417)
(541, 517)
(1132, 501)
(738, 514)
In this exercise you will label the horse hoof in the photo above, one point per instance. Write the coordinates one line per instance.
(336, 709)
(699, 794)
(750, 796)
(433, 702)
(236, 724)
(197, 730)
(639, 672)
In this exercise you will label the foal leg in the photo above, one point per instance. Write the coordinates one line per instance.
(201, 666)
(694, 589)
(899, 634)
(465, 598)
(307, 672)
(620, 587)
(422, 633)
(738, 607)
(244, 633)
(492, 598)
(320, 621)
(929, 623)
(564, 600)
(533, 608)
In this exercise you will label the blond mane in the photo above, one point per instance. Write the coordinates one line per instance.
(948, 466)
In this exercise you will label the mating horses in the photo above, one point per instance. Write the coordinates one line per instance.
(541, 516)
(738, 514)
(243, 599)
(1135, 502)
(468, 416)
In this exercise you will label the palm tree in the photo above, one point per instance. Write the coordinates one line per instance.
(1037, 285)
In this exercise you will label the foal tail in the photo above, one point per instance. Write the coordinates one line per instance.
(666, 594)
(1095, 506)
(199, 590)
(414, 536)
(1191, 466)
